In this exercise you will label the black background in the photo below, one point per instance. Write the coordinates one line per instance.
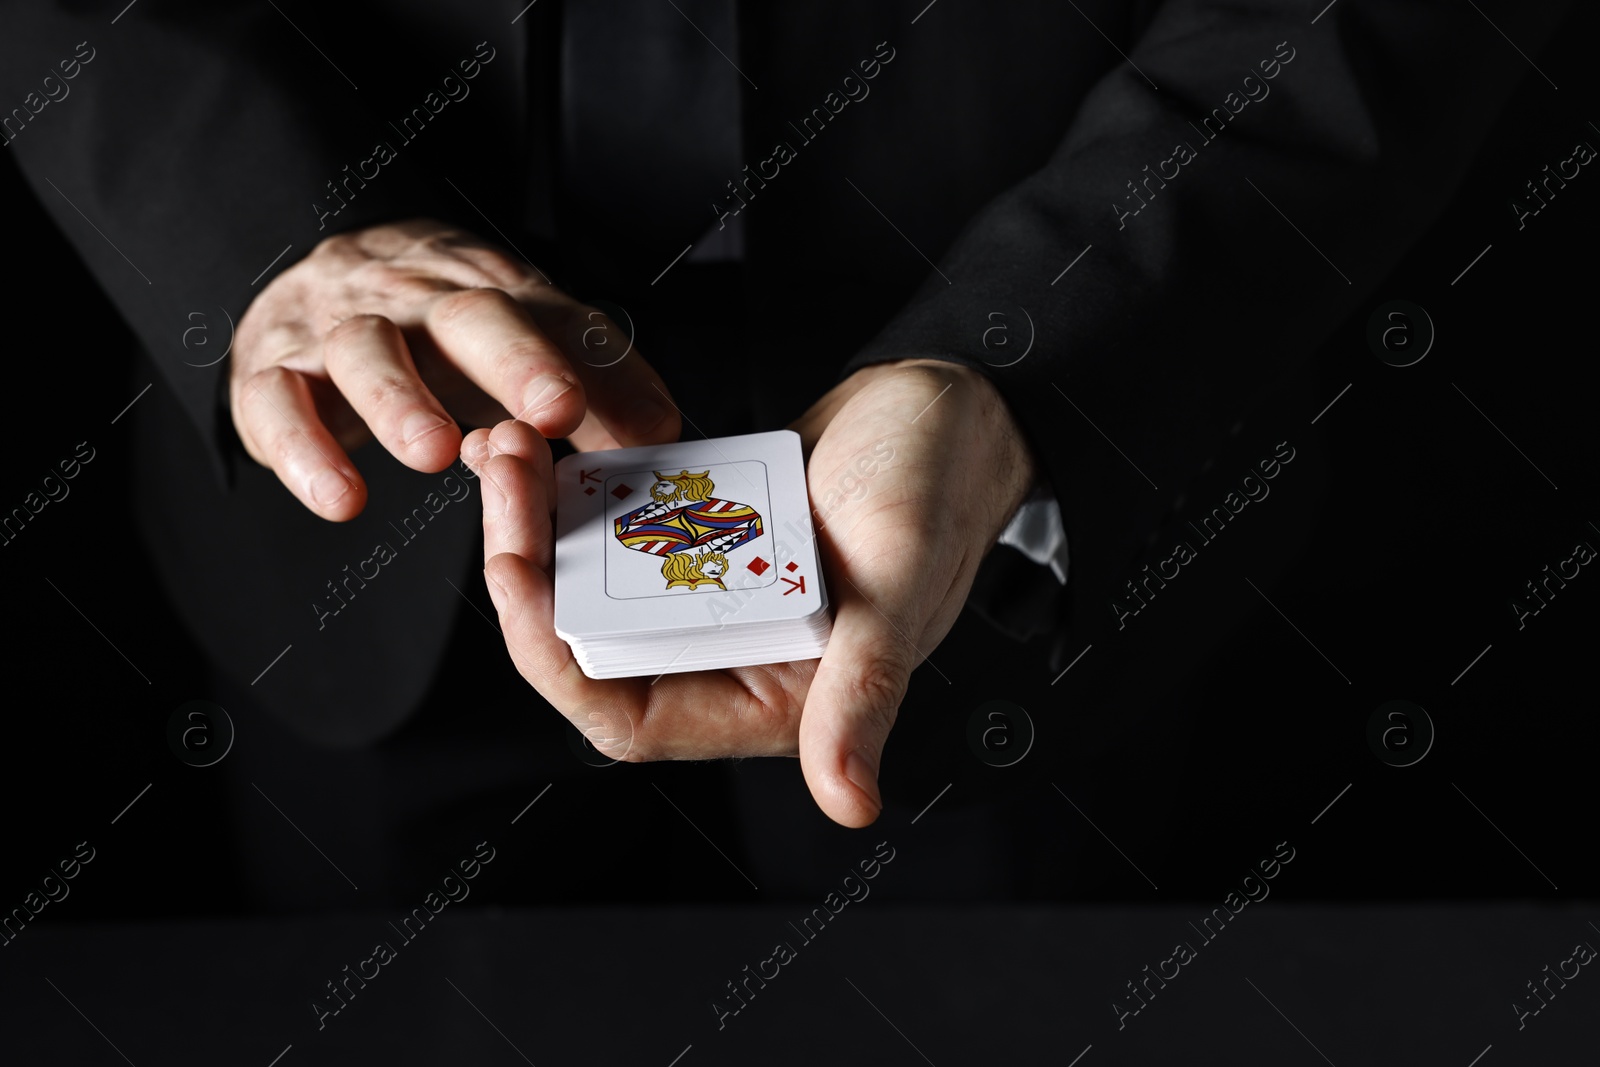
(1195, 739)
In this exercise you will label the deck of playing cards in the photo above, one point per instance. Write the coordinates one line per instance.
(687, 557)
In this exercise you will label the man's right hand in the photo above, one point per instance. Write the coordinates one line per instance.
(396, 332)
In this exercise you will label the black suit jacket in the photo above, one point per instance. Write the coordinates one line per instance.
(1165, 203)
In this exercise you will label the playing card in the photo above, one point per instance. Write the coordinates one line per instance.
(711, 535)
(676, 532)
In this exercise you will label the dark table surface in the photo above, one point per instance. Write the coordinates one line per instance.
(882, 984)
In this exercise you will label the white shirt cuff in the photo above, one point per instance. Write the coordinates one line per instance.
(1036, 530)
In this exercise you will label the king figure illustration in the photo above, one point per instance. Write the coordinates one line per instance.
(690, 527)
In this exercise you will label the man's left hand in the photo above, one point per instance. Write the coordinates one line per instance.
(914, 469)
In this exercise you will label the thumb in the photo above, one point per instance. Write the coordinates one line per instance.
(850, 708)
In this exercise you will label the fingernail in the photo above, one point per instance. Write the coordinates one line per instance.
(328, 487)
(417, 424)
(497, 592)
(475, 451)
(545, 390)
(494, 500)
(863, 774)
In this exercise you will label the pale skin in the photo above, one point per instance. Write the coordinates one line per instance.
(899, 559)
(399, 331)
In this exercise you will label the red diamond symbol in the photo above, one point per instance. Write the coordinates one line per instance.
(759, 566)
(589, 491)
(791, 566)
(621, 491)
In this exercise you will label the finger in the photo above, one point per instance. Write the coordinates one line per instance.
(368, 361)
(602, 429)
(494, 341)
(516, 499)
(850, 709)
(524, 598)
(518, 439)
(592, 435)
(279, 426)
(475, 449)
(628, 403)
(693, 715)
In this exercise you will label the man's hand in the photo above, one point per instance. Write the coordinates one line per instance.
(899, 549)
(395, 332)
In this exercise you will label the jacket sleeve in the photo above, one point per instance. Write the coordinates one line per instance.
(1220, 202)
(185, 150)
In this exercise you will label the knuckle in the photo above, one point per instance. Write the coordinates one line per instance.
(399, 285)
(464, 304)
(512, 436)
(436, 236)
(277, 444)
(766, 720)
(519, 352)
(521, 360)
(279, 448)
(434, 242)
(267, 426)
(876, 689)
(502, 470)
(355, 331)
(269, 380)
(497, 263)
(387, 389)
(334, 245)
(880, 718)
(438, 242)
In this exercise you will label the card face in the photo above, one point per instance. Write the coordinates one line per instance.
(678, 532)
(696, 535)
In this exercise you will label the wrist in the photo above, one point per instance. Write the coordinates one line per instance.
(1018, 474)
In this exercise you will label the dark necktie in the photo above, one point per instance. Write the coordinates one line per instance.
(649, 128)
